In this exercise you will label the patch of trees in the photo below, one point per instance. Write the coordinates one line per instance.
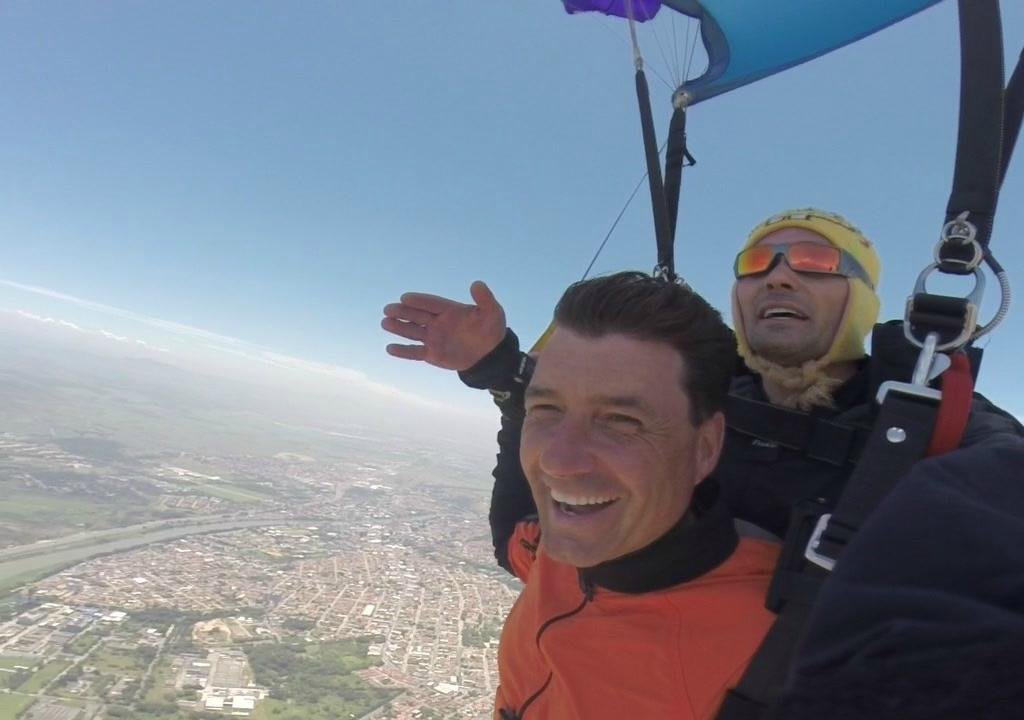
(312, 673)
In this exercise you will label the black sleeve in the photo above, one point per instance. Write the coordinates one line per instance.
(505, 371)
(924, 614)
(988, 423)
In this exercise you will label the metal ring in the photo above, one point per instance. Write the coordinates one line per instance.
(960, 229)
(971, 264)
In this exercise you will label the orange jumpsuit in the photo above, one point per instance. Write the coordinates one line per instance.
(574, 650)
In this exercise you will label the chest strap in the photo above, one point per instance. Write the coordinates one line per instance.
(914, 421)
(815, 437)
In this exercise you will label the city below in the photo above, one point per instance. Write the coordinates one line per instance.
(281, 588)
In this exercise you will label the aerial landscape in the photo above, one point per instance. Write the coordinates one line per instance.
(170, 548)
(221, 496)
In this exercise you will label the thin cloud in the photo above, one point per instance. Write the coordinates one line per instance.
(173, 327)
(226, 345)
(77, 328)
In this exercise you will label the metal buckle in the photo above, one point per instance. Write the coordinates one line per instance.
(970, 321)
(928, 367)
(811, 553)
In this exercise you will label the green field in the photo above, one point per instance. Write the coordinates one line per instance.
(11, 704)
(12, 679)
(230, 492)
(8, 662)
(315, 681)
(331, 708)
(111, 661)
(34, 516)
(42, 678)
(83, 643)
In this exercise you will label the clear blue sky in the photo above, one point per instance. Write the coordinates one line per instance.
(277, 172)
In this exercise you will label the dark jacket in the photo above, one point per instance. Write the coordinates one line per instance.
(924, 614)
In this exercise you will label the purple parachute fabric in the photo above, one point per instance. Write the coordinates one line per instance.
(642, 9)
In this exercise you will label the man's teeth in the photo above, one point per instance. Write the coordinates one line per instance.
(776, 312)
(581, 499)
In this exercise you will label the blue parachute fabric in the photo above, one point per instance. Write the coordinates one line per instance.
(747, 40)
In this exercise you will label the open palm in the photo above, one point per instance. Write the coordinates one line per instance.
(451, 335)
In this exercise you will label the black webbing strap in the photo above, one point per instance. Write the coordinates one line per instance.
(817, 438)
(1013, 109)
(794, 588)
(677, 156)
(899, 438)
(979, 140)
(765, 677)
(662, 226)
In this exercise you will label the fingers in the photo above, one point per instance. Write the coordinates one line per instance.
(431, 303)
(407, 352)
(400, 311)
(483, 297)
(410, 331)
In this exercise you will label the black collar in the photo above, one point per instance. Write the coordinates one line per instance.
(701, 541)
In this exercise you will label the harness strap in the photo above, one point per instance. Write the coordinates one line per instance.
(976, 176)
(899, 438)
(817, 438)
(662, 226)
(677, 156)
(765, 677)
(907, 425)
(955, 408)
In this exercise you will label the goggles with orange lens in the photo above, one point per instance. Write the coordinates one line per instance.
(802, 257)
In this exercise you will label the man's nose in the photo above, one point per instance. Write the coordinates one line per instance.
(781, 274)
(566, 452)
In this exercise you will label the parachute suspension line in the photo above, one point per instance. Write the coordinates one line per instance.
(662, 230)
(1013, 109)
(669, 65)
(615, 224)
(693, 46)
(675, 52)
(606, 24)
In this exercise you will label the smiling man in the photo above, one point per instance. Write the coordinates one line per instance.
(640, 600)
(804, 300)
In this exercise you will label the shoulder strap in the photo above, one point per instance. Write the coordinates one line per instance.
(912, 423)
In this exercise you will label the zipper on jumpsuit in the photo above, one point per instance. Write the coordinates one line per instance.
(587, 588)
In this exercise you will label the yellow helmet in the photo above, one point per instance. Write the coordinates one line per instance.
(862, 304)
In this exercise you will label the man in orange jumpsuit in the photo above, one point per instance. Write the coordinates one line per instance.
(640, 600)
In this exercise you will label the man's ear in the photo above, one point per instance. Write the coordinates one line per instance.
(710, 437)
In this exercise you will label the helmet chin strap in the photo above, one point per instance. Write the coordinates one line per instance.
(803, 386)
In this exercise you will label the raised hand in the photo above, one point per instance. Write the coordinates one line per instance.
(452, 335)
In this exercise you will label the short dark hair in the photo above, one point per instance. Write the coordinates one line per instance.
(649, 308)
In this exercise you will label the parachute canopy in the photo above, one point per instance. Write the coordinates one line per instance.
(747, 40)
